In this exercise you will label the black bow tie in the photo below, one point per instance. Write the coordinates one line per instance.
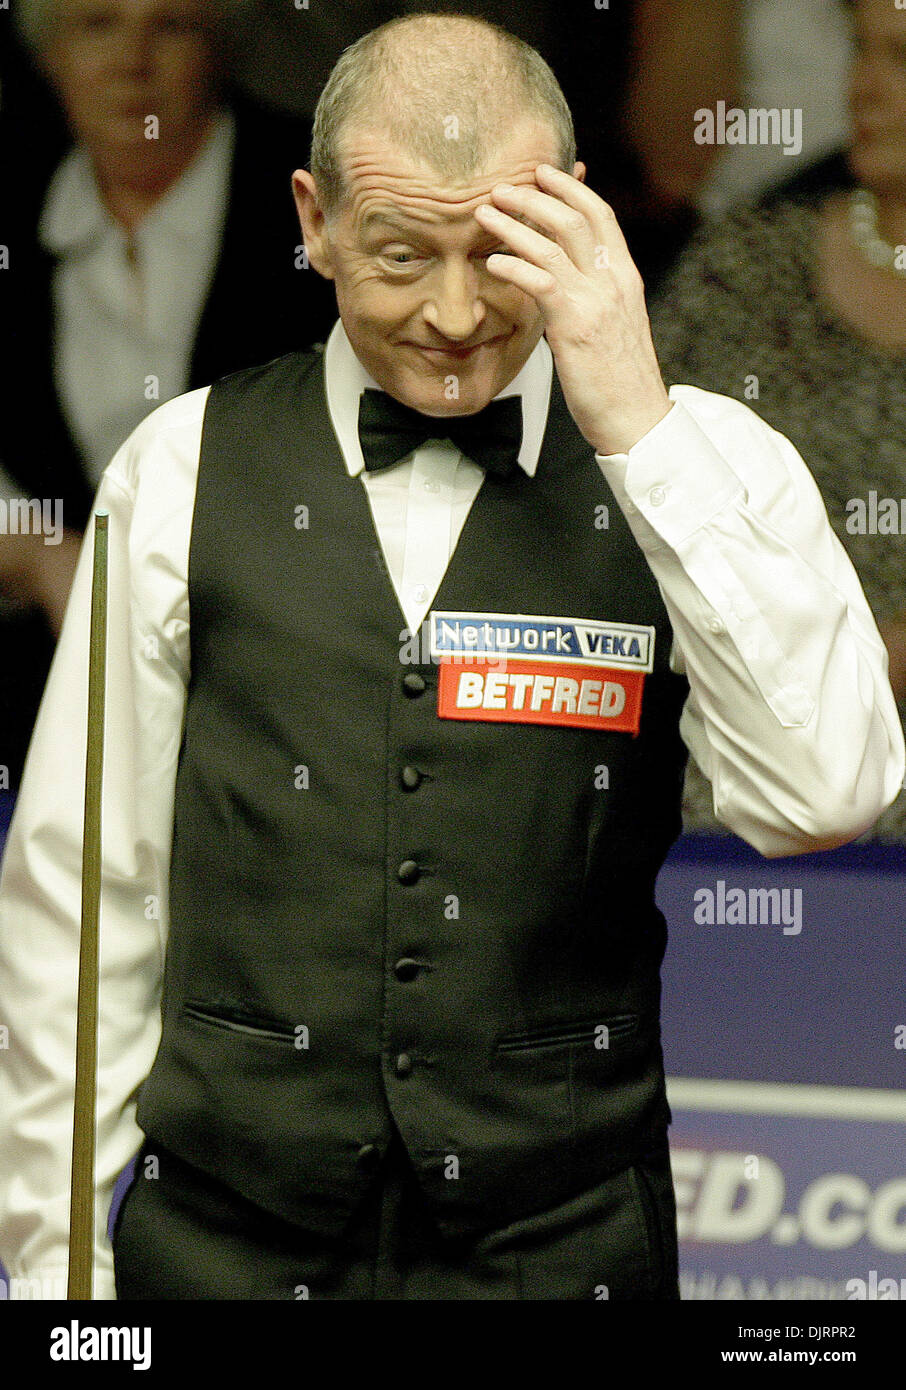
(389, 430)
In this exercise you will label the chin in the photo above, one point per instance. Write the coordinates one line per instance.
(432, 401)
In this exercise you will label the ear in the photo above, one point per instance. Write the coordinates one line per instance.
(579, 171)
(313, 223)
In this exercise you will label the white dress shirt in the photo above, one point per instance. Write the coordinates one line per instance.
(419, 506)
(790, 715)
(125, 324)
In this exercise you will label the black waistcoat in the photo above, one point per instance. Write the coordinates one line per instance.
(316, 994)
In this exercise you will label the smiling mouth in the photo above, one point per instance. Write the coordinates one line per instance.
(460, 352)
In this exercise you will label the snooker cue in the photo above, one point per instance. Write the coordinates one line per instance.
(81, 1208)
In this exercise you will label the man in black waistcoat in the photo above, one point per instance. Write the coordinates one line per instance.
(408, 641)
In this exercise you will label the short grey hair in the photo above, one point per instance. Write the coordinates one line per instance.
(445, 79)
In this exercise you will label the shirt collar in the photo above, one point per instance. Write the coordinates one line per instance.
(74, 215)
(346, 378)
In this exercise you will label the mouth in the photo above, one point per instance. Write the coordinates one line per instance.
(459, 354)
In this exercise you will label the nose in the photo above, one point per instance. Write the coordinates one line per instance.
(454, 308)
(134, 48)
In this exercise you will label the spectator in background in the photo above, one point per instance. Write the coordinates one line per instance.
(799, 307)
(684, 56)
(749, 53)
(794, 54)
(160, 253)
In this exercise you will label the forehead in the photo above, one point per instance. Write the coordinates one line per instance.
(382, 176)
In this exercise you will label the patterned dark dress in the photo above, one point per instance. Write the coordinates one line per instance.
(742, 311)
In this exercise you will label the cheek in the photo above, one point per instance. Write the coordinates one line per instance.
(186, 74)
(367, 294)
(78, 76)
(521, 308)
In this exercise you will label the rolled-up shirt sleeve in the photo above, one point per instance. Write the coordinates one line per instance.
(40, 882)
(790, 712)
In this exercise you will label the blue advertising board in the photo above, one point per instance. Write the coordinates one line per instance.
(784, 1033)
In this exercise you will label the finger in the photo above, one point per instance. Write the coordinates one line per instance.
(531, 245)
(531, 279)
(569, 226)
(600, 215)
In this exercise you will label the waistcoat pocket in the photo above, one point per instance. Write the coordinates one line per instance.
(238, 1021)
(557, 1034)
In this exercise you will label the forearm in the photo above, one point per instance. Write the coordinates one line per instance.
(790, 714)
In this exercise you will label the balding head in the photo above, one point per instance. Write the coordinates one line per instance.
(448, 89)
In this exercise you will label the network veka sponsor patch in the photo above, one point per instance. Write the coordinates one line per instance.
(518, 668)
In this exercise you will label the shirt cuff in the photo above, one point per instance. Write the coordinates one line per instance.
(673, 478)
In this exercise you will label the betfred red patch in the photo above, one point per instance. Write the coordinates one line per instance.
(522, 669)
(541, 692)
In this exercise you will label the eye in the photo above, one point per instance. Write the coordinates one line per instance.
(400, 256)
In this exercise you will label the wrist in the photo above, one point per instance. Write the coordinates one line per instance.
(623, 434)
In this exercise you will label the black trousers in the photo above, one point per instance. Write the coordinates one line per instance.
(183, 1235)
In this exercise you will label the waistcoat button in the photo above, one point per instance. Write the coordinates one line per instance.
(408, 871)
(403, 1064)
(413, 684)
(410, 777)
(406, 969)
(368, 1157)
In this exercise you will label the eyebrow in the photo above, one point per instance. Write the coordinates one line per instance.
(379, 217)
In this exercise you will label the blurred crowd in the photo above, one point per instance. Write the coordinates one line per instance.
(149, 242)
